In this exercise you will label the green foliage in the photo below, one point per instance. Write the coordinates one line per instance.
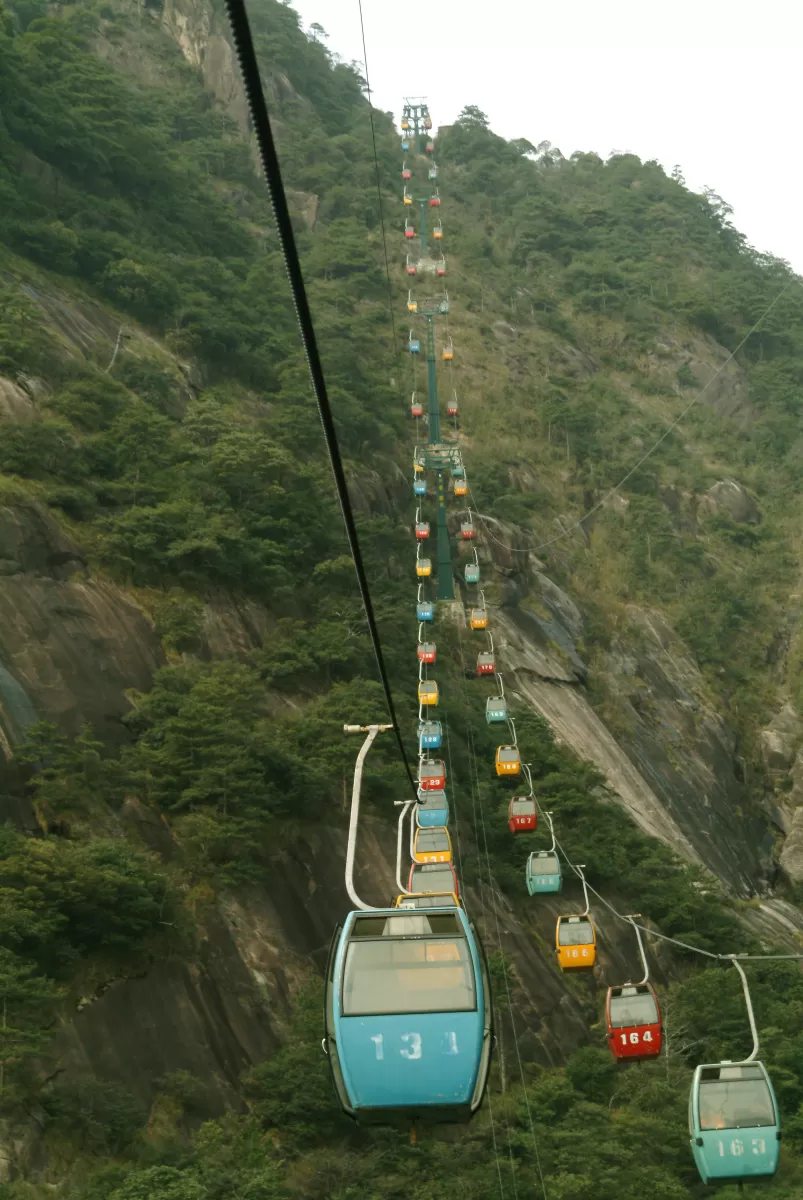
(179, 620)
(145, 198)
(66, 901)
(94, 1117)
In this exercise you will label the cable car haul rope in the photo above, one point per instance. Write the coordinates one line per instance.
(408, 1006)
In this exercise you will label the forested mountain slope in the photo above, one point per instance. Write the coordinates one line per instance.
(181, 639)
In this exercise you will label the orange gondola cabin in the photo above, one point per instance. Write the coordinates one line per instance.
(432, 845)
(633, 1017)
(432, 775)
(508, 761)
(575, 943)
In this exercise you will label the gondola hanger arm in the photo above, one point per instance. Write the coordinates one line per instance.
(632, 919)
(749, 1004)
(579, 870)
(371, 731)
(405, 808)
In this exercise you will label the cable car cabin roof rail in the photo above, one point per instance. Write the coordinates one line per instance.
(427, 900)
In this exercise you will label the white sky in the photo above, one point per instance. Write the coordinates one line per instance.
(713, 85)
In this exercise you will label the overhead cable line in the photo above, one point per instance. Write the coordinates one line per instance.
(244, 45)
(509, 997)
(381, 206)
(665, 937)
(578, 523)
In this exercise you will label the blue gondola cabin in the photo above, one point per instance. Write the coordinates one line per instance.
(429, 735)
(734, 1124)
(432, 810)
(543, 873)
(408, 1026)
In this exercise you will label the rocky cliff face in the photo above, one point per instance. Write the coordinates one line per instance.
(73, 645)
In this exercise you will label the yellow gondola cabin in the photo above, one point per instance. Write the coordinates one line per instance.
(575, 943)
(432, 845)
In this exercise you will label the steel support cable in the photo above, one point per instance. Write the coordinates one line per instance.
(244, 45)
(481, 889)
(664, 937)
(476, 786)
(649, 453)
(459, 871)
(381, 206)
(510, 1004)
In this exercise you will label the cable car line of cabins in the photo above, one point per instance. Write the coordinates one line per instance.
(420, 962)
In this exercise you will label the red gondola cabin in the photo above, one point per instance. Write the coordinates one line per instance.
(486, 662)
(421, 531)
(467, 531)
(634, 1023)
(432, 776)
(426, 652)
(416, 409)
(452, 409)
(522, 815)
